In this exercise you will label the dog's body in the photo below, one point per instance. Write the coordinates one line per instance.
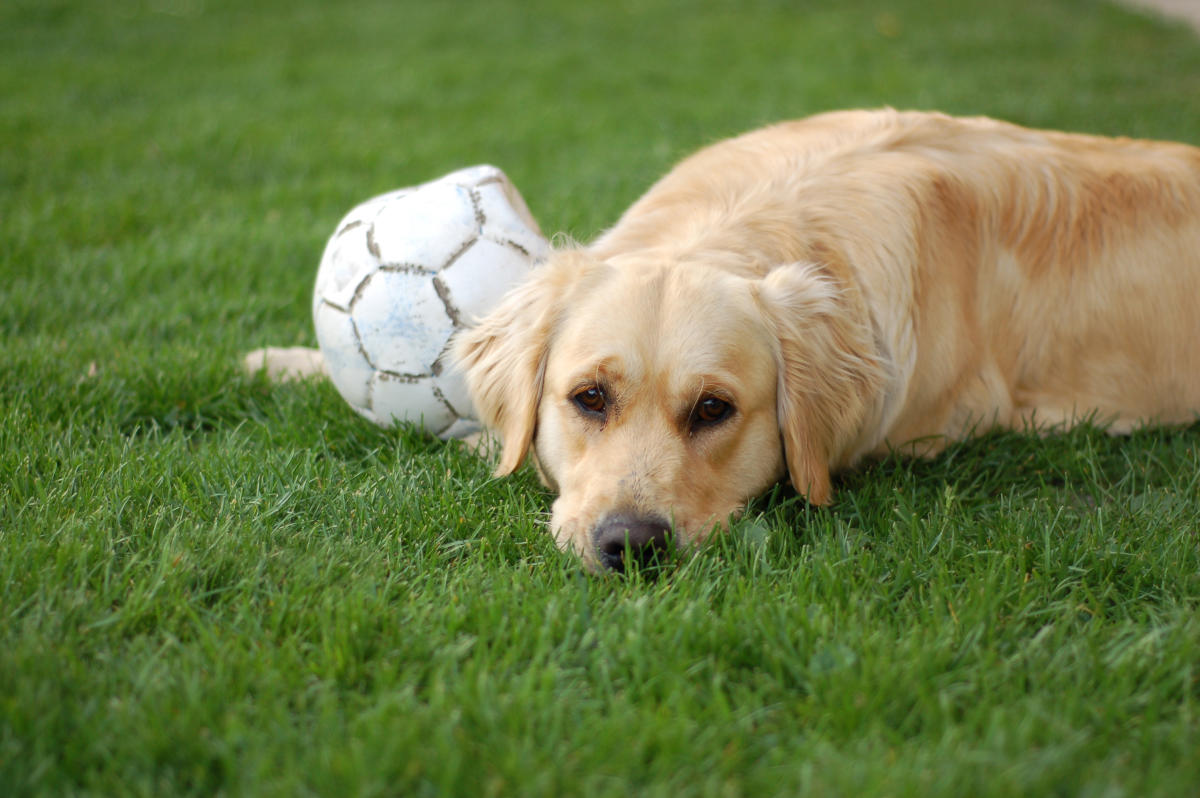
(815, 292)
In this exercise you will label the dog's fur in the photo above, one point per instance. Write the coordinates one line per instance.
(848, 284)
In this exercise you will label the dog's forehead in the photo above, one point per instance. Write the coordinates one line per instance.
(645, 320)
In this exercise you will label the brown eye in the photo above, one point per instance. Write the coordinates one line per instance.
(711, 410)
(591, 400)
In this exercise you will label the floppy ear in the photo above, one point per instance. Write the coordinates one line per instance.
(829, 372)
(504, 356)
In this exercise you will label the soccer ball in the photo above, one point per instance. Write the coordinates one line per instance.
(401, 274)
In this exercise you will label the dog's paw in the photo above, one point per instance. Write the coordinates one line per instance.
(286, 363)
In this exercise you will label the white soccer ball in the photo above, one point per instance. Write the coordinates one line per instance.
(401, 274)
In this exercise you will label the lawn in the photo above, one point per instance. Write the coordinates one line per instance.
(214, 585)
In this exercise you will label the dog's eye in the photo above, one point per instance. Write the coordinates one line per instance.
(591, 400)
(710, 410)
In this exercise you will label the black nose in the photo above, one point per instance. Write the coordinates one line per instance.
(627, 536)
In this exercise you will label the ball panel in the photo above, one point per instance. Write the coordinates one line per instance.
(507, 219)
(369, 416)
(471, 175)
(475, 281)
(345, 264)
(453, 387)
(401, 321)
(461, 429)
(424, 229)
(348, 369)
(369, 207)
(413, 400)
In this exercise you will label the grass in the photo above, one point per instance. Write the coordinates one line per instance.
(213, 585)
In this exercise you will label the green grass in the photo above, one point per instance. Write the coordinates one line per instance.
(213, 585)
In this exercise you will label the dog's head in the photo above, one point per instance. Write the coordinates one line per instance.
(658, 397)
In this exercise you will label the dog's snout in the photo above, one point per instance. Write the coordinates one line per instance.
(620, 536)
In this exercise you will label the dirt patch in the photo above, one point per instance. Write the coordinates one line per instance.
(1187, 11)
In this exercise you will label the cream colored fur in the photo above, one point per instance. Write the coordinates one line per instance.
(849, 284)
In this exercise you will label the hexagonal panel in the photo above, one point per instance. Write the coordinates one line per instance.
(415, 401)
(425, 228)
(481, 276)
(453, 386)
(471, 176)
(506, 218)
(348, 371)
(345, 263)
(401, 321)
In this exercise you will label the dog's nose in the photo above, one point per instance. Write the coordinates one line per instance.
(621, 536)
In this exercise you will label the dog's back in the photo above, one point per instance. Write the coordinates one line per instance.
(1012, 276)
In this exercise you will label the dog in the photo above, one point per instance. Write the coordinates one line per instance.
(796, 299)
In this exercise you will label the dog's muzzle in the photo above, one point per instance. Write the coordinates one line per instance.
(623, 539)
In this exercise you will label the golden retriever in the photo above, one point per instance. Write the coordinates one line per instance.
(803, 296)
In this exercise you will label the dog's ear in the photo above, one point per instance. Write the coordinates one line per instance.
(829, 371)
(503, 357)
